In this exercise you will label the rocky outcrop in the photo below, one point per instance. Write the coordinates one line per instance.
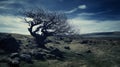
(9, 44)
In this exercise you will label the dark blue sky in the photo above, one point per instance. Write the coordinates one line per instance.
(104, 15)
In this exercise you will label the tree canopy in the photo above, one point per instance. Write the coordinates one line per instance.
(46, 23)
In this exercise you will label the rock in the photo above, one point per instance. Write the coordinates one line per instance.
(3, 59)
(48, 41)
(67, 40)
(57, 53)
(84, 42)
(61, 38)
(88, 51)
(19, 41)
(56, 42)
(50, 56)
(67, 47)
(26, 57)
(9, 44)
(50, 47)
(79, 54)
(13, 62)
(13, 55)
(40, 56)
(16, 57)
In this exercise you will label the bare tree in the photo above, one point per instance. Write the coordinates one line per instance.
(45, 23)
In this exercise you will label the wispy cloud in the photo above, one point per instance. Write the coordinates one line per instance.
(4, 7)
(90, 26)
(86, 14)
(76, 8)
(7, 2)
(90, 14)
(71, 11)
(4, 4)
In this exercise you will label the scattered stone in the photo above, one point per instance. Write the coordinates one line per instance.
(67, 40)
(26, 57)
(67, 47)
(57, 53)
(84, 42)
(48, 41)
(79, 54)
(56, 42)
(13, 62)
(51, 47)
(50, 56)
(88, 51)
(39, 56)
(13, 55)
(3, 59)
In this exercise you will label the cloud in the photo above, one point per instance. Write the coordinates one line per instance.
(82, 6)
(96, 13)
(12, 24)
(7, 2)
(70, 7)
(4, 4)
(71, 11)
(3, 7)
(75, 9)
(90, 26)
(86, 14)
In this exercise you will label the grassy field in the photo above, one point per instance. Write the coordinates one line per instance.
(80, 52)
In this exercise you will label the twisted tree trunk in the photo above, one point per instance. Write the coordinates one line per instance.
(40, 39)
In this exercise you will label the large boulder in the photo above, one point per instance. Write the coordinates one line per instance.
(9, 44)
(39, 54)
(17, 57)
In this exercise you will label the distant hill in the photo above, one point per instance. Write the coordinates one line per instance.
(103, 34)
(110, 35)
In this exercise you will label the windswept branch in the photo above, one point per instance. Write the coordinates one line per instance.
(47, 22)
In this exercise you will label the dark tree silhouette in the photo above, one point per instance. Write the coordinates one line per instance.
(45, 23)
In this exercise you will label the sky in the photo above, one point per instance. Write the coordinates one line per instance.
(85, 16)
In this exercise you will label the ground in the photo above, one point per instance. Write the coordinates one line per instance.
(77, 51)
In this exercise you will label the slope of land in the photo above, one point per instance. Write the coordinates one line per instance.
(78, 51)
